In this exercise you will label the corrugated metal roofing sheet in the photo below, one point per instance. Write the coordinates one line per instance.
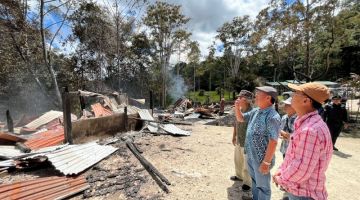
(44, 188)
(11, 137)
(7, 163)
(44, 119)
(172, 129)
(100, 111)
(9, 151)
(156, 128)
(130, 109)
(46, 139)
(74, 159)
(152, 126)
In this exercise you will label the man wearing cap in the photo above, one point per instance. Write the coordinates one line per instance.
(287, 125)
(336, 117)
(241, 173)
(302, 174)
(261, 139)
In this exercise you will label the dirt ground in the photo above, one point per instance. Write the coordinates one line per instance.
(199, 166)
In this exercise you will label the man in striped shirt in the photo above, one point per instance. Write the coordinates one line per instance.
(302, 174)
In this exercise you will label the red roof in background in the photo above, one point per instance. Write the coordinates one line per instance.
(44, 188)
(46, 139)
(100, 111)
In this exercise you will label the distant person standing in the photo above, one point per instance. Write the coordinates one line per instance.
(261, 139)
(241, 173)
(302, 174)
(287, 125)
(222, 106)
(336, 117)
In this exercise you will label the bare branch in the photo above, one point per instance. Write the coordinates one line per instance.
(56, 7)
(57, 31)
(54, 24)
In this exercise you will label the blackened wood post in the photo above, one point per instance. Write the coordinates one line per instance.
(82, 99)
(151, 102)
(125, 119)
(67, 116)
(10, 123)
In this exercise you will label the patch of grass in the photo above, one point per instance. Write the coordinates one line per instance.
(213, 96)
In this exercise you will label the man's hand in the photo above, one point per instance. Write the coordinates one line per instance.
(264, 169)
(237, 104)
(234, 141)
(285, 135)
(238, 114)
(346, 125)
(275, 180)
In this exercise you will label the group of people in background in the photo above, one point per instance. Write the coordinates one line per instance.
(307, 140)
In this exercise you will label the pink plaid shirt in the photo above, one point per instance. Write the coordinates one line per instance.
(307, 158)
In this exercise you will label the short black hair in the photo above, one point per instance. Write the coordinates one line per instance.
(316, 104)
(272, 100)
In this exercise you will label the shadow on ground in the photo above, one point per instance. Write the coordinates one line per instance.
(235, 193)
(352, 132)
(342, 154)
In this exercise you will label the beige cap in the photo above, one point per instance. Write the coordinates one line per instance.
(316, 91)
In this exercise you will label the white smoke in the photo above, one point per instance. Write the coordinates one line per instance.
(177, 88)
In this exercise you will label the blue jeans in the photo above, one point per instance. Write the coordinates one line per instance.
(261, 189)
(293, 197)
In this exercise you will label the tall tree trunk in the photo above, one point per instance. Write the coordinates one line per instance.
(307, 38)
(210, 81)
(47, 59)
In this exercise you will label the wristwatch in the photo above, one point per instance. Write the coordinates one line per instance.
(266, 163)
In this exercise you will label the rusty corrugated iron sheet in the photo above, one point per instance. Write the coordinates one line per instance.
(11, 137)
(46, 139)
(73, 159)
(44, 188)
(100, 111)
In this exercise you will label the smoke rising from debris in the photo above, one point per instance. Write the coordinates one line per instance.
(177, 88)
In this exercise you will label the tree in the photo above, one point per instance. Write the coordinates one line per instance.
(47, 42)
(236, 36)
(300, 36)
(194, 58)
(166, 25)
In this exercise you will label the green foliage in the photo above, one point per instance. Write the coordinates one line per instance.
(201, 93)
(211, 95)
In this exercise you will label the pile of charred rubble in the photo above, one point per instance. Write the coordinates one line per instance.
(69, 143)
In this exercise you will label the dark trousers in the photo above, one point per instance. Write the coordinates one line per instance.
(335, 132)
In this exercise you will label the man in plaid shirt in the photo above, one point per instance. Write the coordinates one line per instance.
(302, 174)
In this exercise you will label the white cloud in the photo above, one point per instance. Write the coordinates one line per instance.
(209, 15)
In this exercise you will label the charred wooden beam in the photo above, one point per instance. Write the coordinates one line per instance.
(155, 174)
(9, 120)
(23, 148)
(125, 119)
(151, 103)
(67, 116)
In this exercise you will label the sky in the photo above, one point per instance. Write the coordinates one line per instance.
(209, 15)
(206, 16)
